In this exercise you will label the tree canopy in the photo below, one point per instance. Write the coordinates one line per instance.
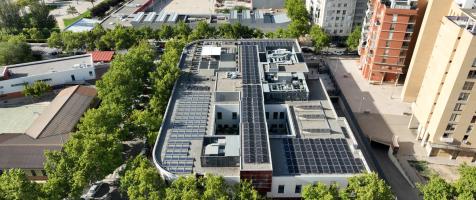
(462, 188)
(319, 37)
(14, 185)
(15, 50)
(142, 181)
(354, 38)
(37, 89)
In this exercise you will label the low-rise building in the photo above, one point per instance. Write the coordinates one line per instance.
(243, 110)
(42, 127)
(55, 72)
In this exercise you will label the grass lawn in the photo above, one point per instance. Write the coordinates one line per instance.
(70, 21)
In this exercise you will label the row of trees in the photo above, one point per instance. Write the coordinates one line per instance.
(31, 18)
(462, 189)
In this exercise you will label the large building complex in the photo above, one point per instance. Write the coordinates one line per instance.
(244, 109)
(55, 72)
(337, 17)
(389, 32)
(441, 81)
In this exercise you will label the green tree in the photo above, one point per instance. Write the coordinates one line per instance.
(55, 40)
(141, 180)
(72, 41)
(319, 37)
(106, 119)
(226, 31)
(39, 16)
(184, 188)
(353, 39)
(37, 89)
(466, 184)
(15, 51)
(296, 10)
(202, 31)
(215, 188)
(14, 185)
(166, 31)
(245, 191)
(298, 28)
(182, 30)
(10, 19)
(119, 38)
(437, 189)
(321, 191)
(369, 186)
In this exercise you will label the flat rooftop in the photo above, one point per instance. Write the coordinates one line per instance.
(48, 66)
(124, 15)
(216, 107)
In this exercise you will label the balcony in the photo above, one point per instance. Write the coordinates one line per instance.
(464, 22)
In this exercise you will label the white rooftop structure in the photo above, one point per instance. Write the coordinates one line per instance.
(211, 51)
(82, 25)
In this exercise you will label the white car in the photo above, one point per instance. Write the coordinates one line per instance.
(339, 52)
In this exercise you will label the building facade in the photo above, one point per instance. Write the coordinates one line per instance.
(336, 17)
(388, 34)
(443, 111)
(244, 112)
(55, 72)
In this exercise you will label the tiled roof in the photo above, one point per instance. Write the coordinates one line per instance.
(102, 56)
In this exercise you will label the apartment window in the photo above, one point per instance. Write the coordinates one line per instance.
(281, 115)
(410, 28)
(384, 60)
(474, 63)
(219, 115)
(273, 126)
(447, 135)
(412, 19)
(344, 12)
(267, 115)
(234, 115)
(472, 74)
(345, 5)
(43, 172)
(386, 51)
(337, 18)
(455, 117)
(459, 107)
(465, 137)
(338, 5)
(280, 189)
(73, 78)
(90, 73)
(473, 120)
(338, 11)
(407, 36)
(469, 129)
(394, 17)
(281, 126)
(405, 44)
(463, 96)
(390, 35)
(297, 190)
(450, 127)
(275, 115)
(234, 126)
(468, 85)
(340, 31)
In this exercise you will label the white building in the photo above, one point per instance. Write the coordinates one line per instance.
(55, 72)
(336, 16)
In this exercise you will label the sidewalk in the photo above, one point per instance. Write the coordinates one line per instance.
(382, 115)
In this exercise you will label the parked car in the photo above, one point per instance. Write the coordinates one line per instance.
(91, 193)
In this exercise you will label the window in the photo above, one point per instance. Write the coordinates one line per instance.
(472, 74)
(469, 129)
(281, 115)
(405, 44)
(281, 126)
(72, 77)
(281, 189)
(344, 11)
(447, 135)
(450, 127)
(33, 173)
(455, 117)
(234, 115)
(468, 85)
(474, 63)
(387, 43)
(90, 73)
(43, 172)
(275, 115)
(338, 11)
(234, 126)
(298, 188)
(386, 51)
(267, 115)
(18, 84)
(459, 107)
(463, 96)
(390, 35)
(473, 120)
(219, 115)
(465, 137)
(273, 126)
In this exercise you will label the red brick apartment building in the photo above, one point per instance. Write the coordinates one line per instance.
(388, 36)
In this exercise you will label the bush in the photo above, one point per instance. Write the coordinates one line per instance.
(101, 9)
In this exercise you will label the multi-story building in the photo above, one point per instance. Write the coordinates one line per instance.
(244, 109)
(336, 17)
(55, 72)
(441, 81)
(388, 36)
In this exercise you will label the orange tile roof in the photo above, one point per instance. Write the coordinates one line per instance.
(102, 56)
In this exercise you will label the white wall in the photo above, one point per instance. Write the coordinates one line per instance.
(290, 183)
(57, 78)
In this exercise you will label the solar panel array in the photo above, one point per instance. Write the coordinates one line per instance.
(253, 127)
(317, 156)
(262, 44)
(189, 123)
(249, 63)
